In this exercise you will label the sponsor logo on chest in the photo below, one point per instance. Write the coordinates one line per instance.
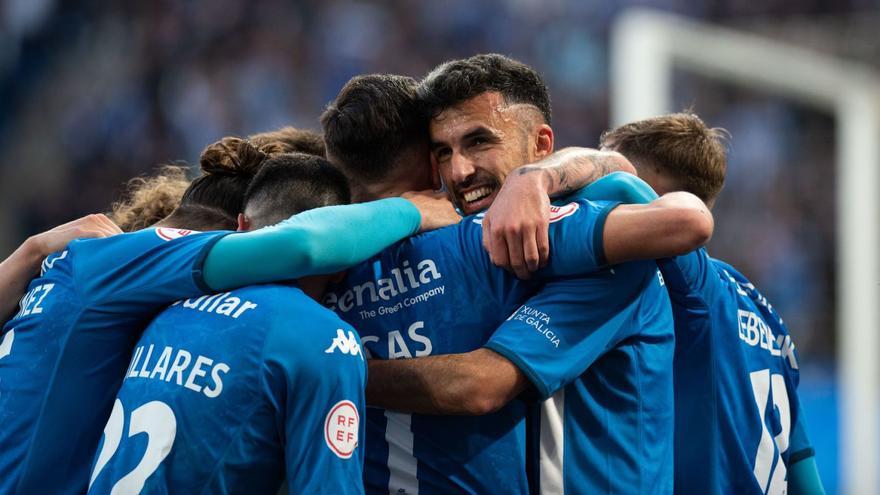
(401, 280)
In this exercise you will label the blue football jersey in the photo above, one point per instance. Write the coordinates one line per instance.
(438, 293)
(236, 392)
(736, 377)
(599, 349)
(64, 352)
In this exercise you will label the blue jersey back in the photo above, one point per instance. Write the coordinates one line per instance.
(63, 354)
(439, 293)
(736, 377)
(238, 391)
(599, 350)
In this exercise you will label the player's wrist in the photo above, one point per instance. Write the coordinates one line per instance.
(533, 177)
(34, 248)
(29, 255)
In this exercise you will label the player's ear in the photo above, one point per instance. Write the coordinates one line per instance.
(543, 141)
(244, 223)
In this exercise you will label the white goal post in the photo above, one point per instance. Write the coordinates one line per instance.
(647, 46)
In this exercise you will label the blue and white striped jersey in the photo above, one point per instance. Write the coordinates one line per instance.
(439, 293)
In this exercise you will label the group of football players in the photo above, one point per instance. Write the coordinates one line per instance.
(569, 334)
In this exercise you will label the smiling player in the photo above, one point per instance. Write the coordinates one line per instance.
(439, 294)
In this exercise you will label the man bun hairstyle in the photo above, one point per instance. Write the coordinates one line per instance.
(231, 156)
(455, 81)
(289, 140)
(679, 145)
(229, 165)
(371, 122)
(291, 183)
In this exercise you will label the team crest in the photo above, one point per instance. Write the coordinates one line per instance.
(341, 429)
(168, 234)
(557, 213)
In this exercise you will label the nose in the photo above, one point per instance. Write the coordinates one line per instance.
(462, 168)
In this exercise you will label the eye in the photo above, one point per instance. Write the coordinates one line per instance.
(442, 154)
(478, 141)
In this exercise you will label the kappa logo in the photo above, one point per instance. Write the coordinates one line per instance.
(345, 344)
(168, 234)
(557, 213)
(341, 429)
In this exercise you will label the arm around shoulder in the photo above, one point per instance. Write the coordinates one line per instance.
(319, 241)
(672, 225)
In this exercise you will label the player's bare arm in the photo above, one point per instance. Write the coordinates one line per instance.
(23, 264)
(569, 169)
(473, 383)
(524, 201)
(672, 225)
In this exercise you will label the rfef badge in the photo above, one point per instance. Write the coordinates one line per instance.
(341, 429)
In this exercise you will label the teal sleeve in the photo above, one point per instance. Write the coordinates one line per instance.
(803, 473)
(803, 478)
(323, 240)
(617, 186)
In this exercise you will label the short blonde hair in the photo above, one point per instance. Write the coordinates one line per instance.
(680, 145)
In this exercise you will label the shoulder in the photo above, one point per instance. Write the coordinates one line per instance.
(746, 290)
(301, 327)
(147, 239)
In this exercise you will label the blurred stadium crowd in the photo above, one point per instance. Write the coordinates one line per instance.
(96, 92)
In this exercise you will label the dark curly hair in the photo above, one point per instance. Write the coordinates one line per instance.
(455, 81)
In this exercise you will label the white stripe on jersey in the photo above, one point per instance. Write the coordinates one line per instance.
(402, 465)
(552, 444)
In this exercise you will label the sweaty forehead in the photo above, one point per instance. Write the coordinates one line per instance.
(488, 110)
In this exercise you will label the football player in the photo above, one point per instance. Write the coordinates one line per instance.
(240, 389)
(65, 351)
(736, 371)
(439, 294)
(24, 263)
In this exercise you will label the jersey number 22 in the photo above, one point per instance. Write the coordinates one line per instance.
(155, 419)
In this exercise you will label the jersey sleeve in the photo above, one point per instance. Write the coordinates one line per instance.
(153, 267)
(316, 383)
(799, 439)
(616, 186)
(319, 241)
(577, 245)
(576, 248)
(564, 328)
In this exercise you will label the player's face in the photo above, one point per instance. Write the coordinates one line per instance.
(474, 145)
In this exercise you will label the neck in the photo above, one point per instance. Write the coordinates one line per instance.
(314, 286)
(362, 192)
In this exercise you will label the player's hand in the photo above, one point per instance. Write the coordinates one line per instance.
(436, 209)
(515, 228)
(89, 226)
